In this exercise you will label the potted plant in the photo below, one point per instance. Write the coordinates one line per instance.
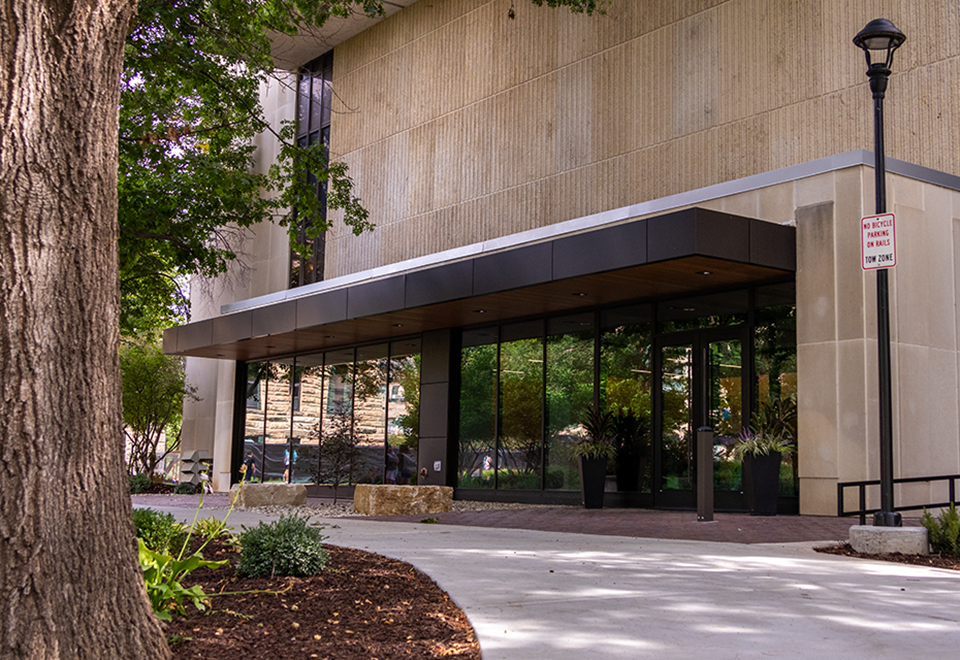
(594, 448)
(760, 448)
(630, 435)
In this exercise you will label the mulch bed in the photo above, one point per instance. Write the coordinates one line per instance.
(363, 606)
(158, 489)
(935, 561)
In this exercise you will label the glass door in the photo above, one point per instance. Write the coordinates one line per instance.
(701, 383)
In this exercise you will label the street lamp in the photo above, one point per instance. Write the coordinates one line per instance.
(881, 37)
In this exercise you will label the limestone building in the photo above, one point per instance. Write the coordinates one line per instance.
(654, 211)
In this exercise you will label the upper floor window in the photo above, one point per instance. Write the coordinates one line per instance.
(314, 94)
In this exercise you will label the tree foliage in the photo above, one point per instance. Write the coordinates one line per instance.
(331, 461)
(154, 387)
(189, 115)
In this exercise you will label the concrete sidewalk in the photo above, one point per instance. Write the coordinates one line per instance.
(554, 595)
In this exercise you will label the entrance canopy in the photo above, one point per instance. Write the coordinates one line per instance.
(678, 253)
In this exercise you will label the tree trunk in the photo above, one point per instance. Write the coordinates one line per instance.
(71, 585)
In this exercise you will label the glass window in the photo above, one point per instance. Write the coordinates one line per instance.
(314, 98)
(520, 457)
(570, 347)
(403, 407)
(626, 383)
(698, 312)
(677, 417)
(724, 408)
(307, 410)
(254, 419)
(277, 457)
(478, 418)
(370, 417)
(337, 414)
(775, 364)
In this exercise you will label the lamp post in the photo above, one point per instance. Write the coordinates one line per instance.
(882, 37)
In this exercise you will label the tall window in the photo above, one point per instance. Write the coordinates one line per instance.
(293, 405)
(314, 94)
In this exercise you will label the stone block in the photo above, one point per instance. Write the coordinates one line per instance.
(887, 540)
(387, 500)
(268, 495)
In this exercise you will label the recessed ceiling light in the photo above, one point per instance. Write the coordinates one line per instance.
(479, 311)
(689, 309)
(704, 272)
(580, 294)
(329, 337)
(397, 325)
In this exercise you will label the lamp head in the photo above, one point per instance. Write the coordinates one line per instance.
(882, 36)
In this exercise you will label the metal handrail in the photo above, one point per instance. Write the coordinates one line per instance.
(863, 511)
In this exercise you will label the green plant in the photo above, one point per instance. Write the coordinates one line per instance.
(944, 531)
(211, 528)
(162, 573)
(159, 531)
(154, 391)
(139, 483)
(164, 576)
(598, 441)
(773, 428)
(285, 547)
(184, 489)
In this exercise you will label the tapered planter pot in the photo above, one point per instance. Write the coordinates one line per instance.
(761, 483)
(593, 479)
(628, 471)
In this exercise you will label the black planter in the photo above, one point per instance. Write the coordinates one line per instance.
(761, 483)
(593, 479)
(628, 471)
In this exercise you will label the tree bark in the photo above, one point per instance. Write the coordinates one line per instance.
(71, 584)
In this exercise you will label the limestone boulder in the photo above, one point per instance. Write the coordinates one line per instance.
(251, 495)
(388, 500)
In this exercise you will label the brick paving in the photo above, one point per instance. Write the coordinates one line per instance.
(646, 523)
(638, 523)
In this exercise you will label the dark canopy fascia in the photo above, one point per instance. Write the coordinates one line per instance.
(675, 254)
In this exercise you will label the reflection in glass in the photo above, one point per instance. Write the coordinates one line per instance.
(370, 414)
(337, 390)
(725, 410)
(307, 411)
(569, 396)
(403, 406)
(478, 395)
(626, 382)
(521, 409)
(277, 456)
(676, 399)
(701, 312)
(254, 421)
(775, 361)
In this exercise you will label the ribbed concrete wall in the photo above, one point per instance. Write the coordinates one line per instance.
(551, 116)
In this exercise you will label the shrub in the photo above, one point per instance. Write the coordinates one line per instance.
(139, 483)
(285, 547)
(159, 531)
(944, 532)
(184, 489)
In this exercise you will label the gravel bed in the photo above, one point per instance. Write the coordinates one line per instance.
(345, 509)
